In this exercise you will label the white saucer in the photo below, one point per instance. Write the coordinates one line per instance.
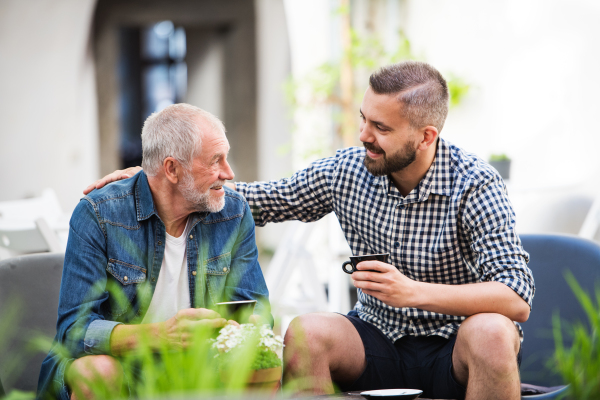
(405, 394)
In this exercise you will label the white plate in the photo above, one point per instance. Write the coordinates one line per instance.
(404, 394)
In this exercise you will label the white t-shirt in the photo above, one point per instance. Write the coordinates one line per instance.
(172, 291)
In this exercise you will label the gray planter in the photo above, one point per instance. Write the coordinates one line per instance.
(503, 167)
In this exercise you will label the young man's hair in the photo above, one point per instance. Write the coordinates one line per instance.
(175, 132)
(420, 88)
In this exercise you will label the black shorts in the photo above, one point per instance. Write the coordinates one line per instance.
(423, 363)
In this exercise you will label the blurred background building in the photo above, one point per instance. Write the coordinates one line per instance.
(79, 77)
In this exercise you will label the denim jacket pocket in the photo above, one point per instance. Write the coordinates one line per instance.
(126, 273)
(126, 277)
(217, 269)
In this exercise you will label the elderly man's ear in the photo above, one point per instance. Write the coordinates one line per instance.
(173, 170)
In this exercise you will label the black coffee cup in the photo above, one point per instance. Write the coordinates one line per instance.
(354, 260)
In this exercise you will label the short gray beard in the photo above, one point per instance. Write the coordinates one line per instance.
(201, 201)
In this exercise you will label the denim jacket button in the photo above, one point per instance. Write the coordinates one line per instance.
(125, 278)
(191, 236)
(225, 269)
(160, 243)
(194, 273)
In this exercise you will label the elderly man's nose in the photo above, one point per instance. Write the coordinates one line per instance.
(227, 173)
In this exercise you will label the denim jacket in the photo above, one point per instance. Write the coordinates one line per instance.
(117, 241)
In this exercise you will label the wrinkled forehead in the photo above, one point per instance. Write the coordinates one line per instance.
(213, 141)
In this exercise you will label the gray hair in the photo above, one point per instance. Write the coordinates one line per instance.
(175, 132)
(421, 89)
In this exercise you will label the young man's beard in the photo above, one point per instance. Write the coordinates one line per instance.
(387, 165)
(202, 201)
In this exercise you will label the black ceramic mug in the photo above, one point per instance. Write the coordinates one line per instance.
(354, 260)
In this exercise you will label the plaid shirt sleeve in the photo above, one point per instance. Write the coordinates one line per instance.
(306, 196)
(490, 219)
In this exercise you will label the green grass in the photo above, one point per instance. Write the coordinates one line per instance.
(579, 364)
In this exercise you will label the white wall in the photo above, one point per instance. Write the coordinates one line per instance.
(48, 123)
(533, 67)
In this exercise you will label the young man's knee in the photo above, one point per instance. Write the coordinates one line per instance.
(308, 330)
(491, 337)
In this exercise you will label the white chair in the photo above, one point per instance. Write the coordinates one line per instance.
(33, 225)
(308, 256)
(29, 291)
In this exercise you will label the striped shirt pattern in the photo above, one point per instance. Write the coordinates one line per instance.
(456, 227)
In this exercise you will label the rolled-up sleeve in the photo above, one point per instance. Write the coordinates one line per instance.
(499, 253)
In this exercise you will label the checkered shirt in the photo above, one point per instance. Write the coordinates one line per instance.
(456, 227)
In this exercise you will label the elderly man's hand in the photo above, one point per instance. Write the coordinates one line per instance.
(179, 330)
(112, 177)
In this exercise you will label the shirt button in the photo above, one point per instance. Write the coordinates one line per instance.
(402, 206)
(194, 273)
(396, 244)
(125, 278)
(159, 243)
(191, 236)
(225, 269)
(153, 279)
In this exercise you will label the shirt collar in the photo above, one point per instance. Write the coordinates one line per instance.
(438, 179)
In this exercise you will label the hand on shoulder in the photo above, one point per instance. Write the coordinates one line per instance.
(112, 177)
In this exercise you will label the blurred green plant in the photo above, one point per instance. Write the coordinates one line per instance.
(342, 83)
(499, 157)
(156, 369)
(232, 342)
(579, 364)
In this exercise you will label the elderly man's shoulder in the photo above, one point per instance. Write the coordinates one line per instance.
(115, 190)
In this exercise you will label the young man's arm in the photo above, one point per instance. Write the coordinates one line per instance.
(506, 285)
(305, 196)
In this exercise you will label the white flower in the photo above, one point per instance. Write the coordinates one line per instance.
(232, 336)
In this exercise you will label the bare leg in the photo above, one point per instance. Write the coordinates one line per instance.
(485, 357)
(92, 372)
(321, 348)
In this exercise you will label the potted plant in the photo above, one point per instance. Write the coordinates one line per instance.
(251, 351)
(501, 162)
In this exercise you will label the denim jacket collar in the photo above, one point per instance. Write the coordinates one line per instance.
(143, 198)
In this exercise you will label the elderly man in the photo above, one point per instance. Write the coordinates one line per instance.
(174, 235)
(441, 315)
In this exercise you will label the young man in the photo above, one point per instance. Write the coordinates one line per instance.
(440, 316)
(173, 240)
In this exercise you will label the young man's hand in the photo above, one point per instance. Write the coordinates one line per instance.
(384, 282)
(112, 177)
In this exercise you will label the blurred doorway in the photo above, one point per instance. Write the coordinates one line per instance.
(152, 75)
(152, 54)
